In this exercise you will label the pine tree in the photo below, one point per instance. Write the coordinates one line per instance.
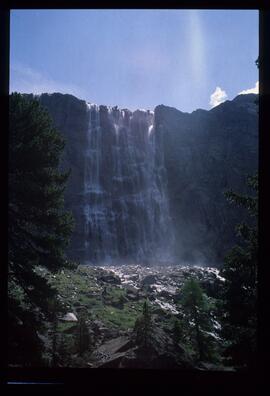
(240, 288)
(143, 327)
(197, 313)
(39, 227)
(178, 333)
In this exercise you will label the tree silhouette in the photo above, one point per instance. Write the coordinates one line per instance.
(38, 228)
(143, 327)
(196, 309)
(240, 289)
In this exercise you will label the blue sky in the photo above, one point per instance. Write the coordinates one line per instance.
(187, 59)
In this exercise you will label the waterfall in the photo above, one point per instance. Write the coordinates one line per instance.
(126, 211)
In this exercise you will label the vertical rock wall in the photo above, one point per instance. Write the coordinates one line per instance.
(148, 187)
(118, 186)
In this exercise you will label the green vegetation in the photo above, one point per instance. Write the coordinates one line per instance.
(39, 228)
(122, 319)
(240, 290)
(178, 331)
(80, 289)
(196, 309)
(144, 327)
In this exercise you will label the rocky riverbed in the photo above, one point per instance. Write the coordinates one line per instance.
(162, 284)
(110, 299)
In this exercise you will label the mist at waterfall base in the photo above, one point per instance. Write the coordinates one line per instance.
(126, 209)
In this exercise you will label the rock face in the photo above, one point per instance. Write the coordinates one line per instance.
(149, 187)
(117, 191)
(123, 352)
(207, 153)
(70, 117)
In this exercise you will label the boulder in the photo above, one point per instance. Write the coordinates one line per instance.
(133, 297)
(119, 344)
(132, 293)
(110, 353)
(131, 289)
(109, 278)
(70, 317)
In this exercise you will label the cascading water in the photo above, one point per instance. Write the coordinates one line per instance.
(126, 210)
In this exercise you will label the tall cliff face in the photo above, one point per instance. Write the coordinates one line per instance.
(149, 187)
(206, 154)
(70, 117)
(118, 187)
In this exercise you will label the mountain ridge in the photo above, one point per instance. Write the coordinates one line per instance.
(244, 98)
(205, 152)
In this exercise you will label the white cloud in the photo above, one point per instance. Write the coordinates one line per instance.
(217, 97)
(24, 79)
(254, 90)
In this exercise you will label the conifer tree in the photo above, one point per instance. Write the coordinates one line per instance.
(143, 327)
(240, 288)
(196, 310)
(38, 228)
(178, 333)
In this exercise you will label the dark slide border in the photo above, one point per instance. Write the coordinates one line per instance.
(97, 381)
